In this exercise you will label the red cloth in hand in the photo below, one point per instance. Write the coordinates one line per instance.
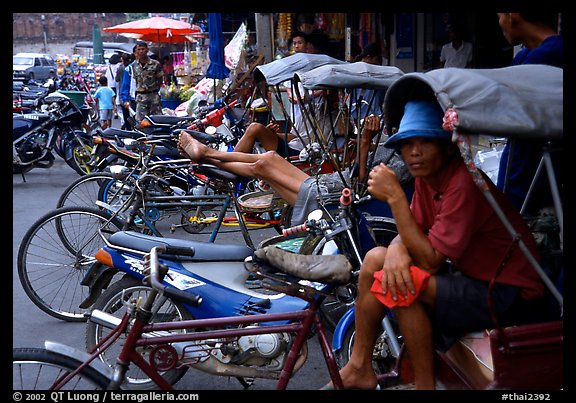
(419, 278)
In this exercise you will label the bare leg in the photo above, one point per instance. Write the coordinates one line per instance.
(280, 174)
(257, 132)
(416, 329)
(358, 372)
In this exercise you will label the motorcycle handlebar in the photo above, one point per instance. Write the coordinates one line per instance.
(155, 281)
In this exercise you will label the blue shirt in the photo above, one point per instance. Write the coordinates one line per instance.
(105, 97)
(125, 95)
(526, 155)
(366, 97)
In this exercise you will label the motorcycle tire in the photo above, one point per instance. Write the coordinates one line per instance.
(383, 360)
(112, 301)
(77, 157)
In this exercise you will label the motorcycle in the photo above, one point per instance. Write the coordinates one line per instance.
(34, 134)
(215, 274)
(109, 147)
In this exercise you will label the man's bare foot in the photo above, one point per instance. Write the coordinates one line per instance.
(353, 378)
(194, 149)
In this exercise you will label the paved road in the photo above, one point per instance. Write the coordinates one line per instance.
(38, 195)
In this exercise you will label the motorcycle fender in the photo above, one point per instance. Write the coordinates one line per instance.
(78, 355)
(73, 141)
(96, 279)
(343, 325)
(69, 149)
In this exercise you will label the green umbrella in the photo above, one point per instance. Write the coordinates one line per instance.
(97, 45)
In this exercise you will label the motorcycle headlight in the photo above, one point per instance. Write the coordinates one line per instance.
(119, 171)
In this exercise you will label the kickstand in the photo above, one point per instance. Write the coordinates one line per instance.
(23, 177)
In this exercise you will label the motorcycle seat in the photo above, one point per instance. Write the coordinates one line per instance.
(113, 133)
(204, 251)
(169, 120)
(212, 171)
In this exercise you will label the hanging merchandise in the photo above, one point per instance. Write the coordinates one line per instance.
(336, 27)
(283, 34)
(320, 21)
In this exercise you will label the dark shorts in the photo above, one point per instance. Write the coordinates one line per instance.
(462, 307)
(283, 147)
(309, 192)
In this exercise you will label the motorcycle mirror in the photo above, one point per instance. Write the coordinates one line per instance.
(315, 215)
(211, 130)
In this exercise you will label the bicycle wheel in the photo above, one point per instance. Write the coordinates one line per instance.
(84, 191)
(55, 254)
(38, 369)
(113, 301)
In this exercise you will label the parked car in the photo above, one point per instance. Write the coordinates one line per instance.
(33, 66)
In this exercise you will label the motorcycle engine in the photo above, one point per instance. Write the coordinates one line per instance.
(33, 146)
(261, 348)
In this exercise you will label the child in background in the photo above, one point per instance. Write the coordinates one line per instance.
(105, 102)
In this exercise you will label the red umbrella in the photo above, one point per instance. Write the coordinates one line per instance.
(159, 26)
(164, 39)
(157, 29)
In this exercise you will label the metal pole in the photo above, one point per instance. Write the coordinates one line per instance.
(43, 18)
(264, 36)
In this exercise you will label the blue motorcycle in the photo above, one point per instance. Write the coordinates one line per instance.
(217, 274)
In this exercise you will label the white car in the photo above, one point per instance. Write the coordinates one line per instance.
(35, 66)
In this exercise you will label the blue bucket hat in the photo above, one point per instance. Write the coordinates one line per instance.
(421, 119)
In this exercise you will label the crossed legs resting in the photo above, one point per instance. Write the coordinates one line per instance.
(270, 167)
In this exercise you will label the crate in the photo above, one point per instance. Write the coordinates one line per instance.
(76, 96)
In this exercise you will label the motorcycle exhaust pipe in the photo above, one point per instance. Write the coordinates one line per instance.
(103, 319)
(110, 321)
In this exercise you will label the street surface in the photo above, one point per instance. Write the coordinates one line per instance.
(31, 326)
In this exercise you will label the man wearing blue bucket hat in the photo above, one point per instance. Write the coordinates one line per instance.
(435, 274)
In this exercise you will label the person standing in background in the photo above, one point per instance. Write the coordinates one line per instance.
(121, 111)
(128, 85)
(536, 32)
(106, 102)
(457, 52)
(167, 70)
(147, 73)
(111, 73)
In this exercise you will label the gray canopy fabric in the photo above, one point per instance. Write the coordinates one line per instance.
(349, 75)
(524, 101)
(281, 70)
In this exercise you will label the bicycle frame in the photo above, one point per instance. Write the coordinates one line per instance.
(141, 333)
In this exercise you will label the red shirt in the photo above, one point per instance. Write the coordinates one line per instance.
(462, 225)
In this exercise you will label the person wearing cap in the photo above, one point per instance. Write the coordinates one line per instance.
(435, 274)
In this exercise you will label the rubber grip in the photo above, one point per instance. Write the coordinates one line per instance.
(346, 197)
(180, 250)
(183, 296)
(294, 230)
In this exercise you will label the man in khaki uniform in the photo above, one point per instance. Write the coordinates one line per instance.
(148, 75)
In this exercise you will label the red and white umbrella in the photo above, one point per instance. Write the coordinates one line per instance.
(157, 29)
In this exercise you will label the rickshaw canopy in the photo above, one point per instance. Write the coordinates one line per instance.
(349, 75)
(278, 71)
(524, 101)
